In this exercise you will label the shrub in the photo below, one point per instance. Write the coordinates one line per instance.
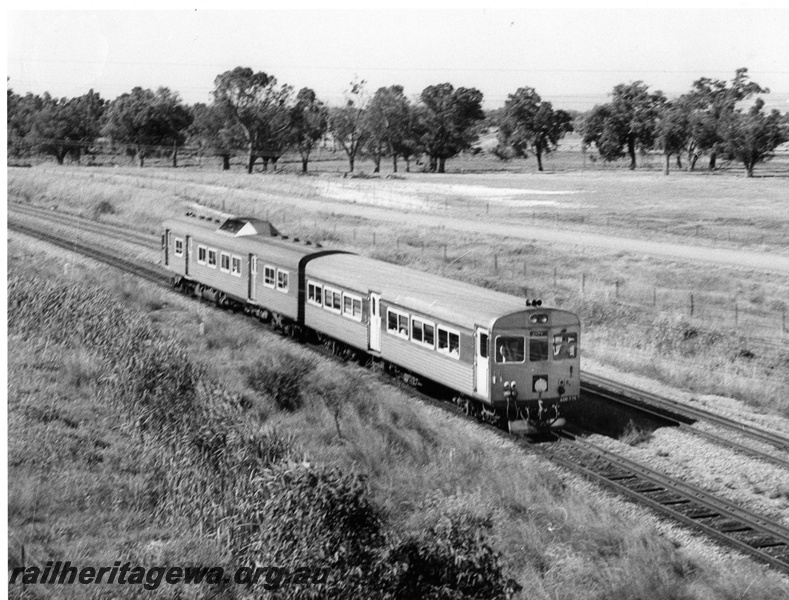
(280, 377)
(449, 560)
(318, 517)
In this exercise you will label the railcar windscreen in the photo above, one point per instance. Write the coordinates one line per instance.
(510, 349)
(538, 346)
(565, 345)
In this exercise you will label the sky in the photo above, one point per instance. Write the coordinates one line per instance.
(572, 56)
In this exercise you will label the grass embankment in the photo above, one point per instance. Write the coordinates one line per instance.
(704, 354)
(130, 443)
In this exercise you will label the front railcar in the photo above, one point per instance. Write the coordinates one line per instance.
(535, 367)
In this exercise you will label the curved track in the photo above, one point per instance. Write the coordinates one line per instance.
(683, 415)
(720, 519)
(737, 527)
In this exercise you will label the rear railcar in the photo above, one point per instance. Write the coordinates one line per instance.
(240, 262)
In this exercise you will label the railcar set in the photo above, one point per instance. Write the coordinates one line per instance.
(506, 361)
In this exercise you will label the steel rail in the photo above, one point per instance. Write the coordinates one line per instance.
(82, 223)
(739, 528)
(149, 272)
(688, 427)
(636, 398)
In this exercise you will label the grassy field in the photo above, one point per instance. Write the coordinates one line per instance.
(636, 308)
(104, 467)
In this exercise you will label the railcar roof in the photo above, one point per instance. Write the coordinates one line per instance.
(445, 299)
(284, 251)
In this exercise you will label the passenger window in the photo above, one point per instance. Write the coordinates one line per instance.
(212, 258)
(179, 247)
(397, 323)
(565, 345)
(236, 268)
(422, 333)
(282, 280)
(449, 342)
(510, 349)
(315, 294)
(538, 346)
(201, 255)
(269, 274)
(352, 307)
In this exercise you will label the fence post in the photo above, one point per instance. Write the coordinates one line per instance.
(783, 321)
(495, 263)
(736, 314)
(554, 277)
(445, 253)
(616, 289)
(583, 282)
(373, 238)
(654, 296)
(691, 305)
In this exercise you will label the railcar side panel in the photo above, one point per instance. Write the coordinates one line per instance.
(209, 269)
(338, 326)
(448, 371)
(279, 301)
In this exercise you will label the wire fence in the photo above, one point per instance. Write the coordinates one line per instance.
(760, 319)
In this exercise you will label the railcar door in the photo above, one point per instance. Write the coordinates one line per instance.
(482, 362)
(375, 322)
(187, 254)
(253, 273)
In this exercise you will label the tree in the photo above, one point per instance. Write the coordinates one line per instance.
(673, 130)
(144, 119)
(348, 124)
(212, 133)
(388, 124)
(260, 108)
(528, 124)
(309, 122)
(62, 127)
(21, 111)
(449, 118)
(409, 143)
(714, 103)
(752, 137)
(625, 124)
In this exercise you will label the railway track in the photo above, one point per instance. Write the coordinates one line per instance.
(721, 520)
(146, 271)
(683, 416)
(75, 222)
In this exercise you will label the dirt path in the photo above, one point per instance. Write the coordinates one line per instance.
(737, 258)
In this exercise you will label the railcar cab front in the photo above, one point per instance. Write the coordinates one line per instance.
(535, 366)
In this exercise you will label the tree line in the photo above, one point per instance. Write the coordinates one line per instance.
(252, 113)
